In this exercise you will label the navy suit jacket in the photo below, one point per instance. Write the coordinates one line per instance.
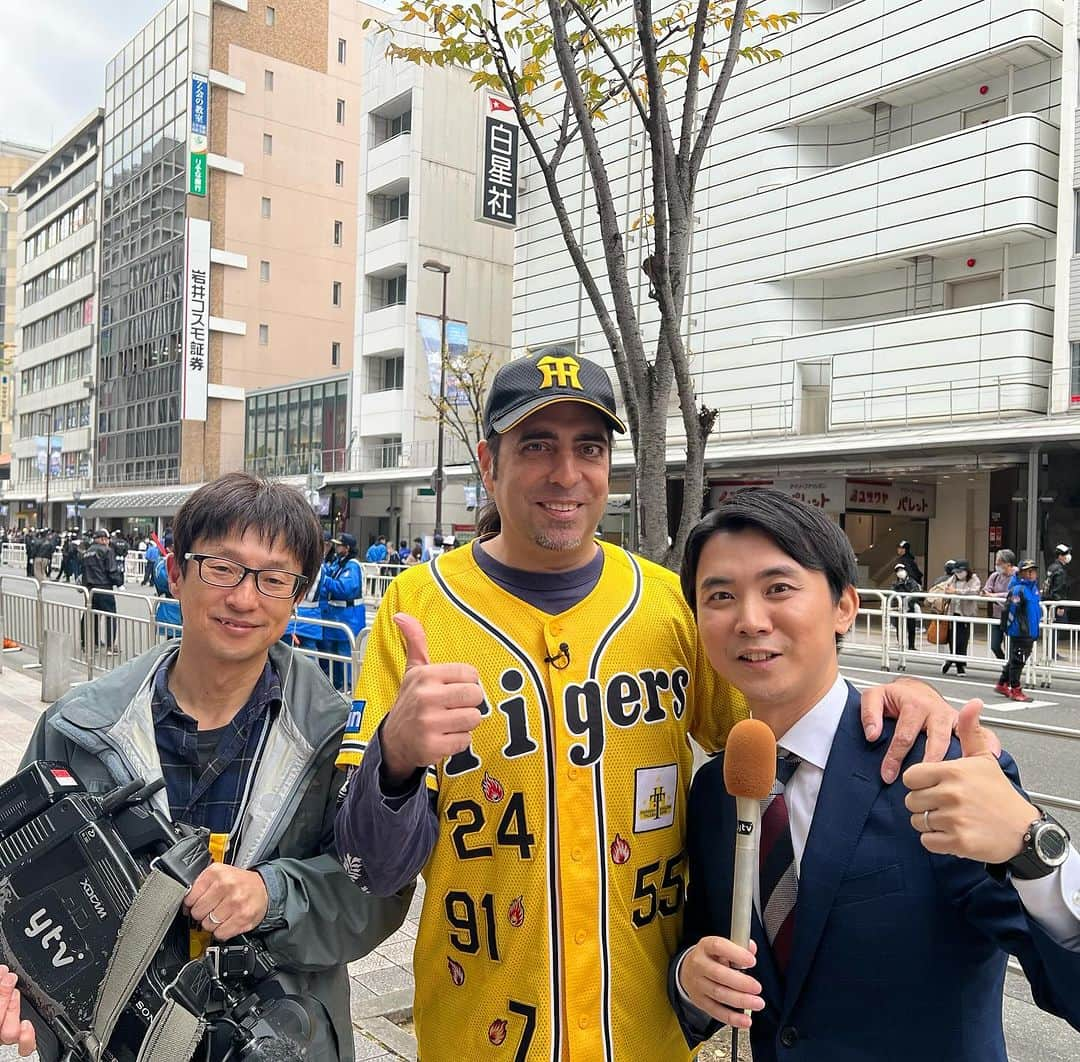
(897, 954)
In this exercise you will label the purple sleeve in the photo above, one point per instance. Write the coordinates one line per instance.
(382, 840)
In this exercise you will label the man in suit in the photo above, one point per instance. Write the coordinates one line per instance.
(869, 941)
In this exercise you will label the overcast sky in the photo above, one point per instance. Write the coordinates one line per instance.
(53, 55)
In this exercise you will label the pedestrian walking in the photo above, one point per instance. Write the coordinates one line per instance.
(101, 576)
(1021, 618)
(905, 557)
(963, 584)
(996, 586)
(906, 584)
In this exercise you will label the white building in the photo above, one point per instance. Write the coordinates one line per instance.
(419, 153)
(56, 347)
(872, 281)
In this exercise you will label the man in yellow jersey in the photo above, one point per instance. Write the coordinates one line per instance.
(520, 734)
(244, 733)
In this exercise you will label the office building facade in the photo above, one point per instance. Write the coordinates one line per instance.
(228, 236)
(872, 279)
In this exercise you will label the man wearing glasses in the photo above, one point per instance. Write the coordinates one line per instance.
(244, 733)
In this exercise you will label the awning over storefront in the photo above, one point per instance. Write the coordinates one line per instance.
(141, 503)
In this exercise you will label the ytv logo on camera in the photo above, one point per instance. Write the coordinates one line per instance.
(49, 932)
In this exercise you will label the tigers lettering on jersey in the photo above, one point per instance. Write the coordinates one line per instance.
(625, 699)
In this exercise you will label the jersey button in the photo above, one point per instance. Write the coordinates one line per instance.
(572, 773)
(580, 936)
(556, 629)
(583, 1021)
(575, 855)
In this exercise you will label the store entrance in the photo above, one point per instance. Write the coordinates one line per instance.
(874, 538)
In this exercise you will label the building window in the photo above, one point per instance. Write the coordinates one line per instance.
(985, 112)
(388, 452)
(387, 291)
(264, 335)
(973, 291)
(388, 126)
(340, 112)
(335, 293)
(268, 80)
(268, 144)
(335, 354)
(341, 48)
(339, 233)
(386, 374)
(264, 271)
(265, 206)
(387, 208)
(1074, 375)
(339, 172)
(271, 16)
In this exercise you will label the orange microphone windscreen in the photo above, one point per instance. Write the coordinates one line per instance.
(750, 760)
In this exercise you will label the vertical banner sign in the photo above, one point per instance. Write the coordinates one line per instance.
(457, 346)
(196, 319)
(498, 172)
(198, 142)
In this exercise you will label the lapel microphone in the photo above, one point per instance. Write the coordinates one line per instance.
(563, 654)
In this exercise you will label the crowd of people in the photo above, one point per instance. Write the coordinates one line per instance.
(519, 736)
(1014, 595)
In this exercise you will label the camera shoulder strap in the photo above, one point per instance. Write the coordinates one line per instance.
(148, 920)
(173, 1035)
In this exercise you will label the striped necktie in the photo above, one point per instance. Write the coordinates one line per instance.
(776, 863)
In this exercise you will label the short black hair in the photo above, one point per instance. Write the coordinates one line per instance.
(804, 533)
(237, 503)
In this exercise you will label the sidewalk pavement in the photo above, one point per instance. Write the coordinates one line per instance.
(382, 982)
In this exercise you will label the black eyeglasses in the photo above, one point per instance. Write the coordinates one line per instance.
(273, 582)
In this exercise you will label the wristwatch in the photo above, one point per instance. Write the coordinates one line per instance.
(1046, 847)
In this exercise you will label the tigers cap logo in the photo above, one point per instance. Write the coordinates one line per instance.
(559, 372)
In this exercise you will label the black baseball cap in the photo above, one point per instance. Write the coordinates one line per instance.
(522, 387)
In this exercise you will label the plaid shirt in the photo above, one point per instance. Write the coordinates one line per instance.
(210, 798)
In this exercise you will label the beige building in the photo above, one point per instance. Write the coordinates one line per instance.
(15, 159)
(275, 175)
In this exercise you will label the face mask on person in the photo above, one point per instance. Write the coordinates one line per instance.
(1001, 569)
(1066, 558)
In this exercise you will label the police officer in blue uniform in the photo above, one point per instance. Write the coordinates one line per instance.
(341, 595)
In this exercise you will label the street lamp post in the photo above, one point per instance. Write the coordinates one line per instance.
(438, 267)
(76, 497)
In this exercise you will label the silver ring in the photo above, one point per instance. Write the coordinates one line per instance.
(925, 818)
(214, 921)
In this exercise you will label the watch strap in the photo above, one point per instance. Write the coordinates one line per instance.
(1027, 865)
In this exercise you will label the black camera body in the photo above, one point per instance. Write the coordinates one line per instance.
(71, 866)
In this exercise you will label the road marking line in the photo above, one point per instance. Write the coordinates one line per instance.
(991, 705)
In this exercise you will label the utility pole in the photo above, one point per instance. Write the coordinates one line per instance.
(437, 267)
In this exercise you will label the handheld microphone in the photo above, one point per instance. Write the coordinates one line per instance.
(749, 773)
(563, 654)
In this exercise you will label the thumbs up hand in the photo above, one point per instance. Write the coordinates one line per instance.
(968, 807)
(436, 710)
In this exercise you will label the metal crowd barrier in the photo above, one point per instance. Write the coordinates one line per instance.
(13, 555)
(108, 628)
(377, 577)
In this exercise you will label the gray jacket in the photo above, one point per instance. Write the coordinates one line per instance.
(104, 731)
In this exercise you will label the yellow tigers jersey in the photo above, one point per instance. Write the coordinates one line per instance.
(555, 889)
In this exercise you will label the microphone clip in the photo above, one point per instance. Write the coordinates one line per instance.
(562, 655)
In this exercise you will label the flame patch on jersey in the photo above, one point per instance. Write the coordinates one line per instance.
(492, 789)
(620, 850)
(654, 797)
(497, 1032)
(516, 914)
(457, 971)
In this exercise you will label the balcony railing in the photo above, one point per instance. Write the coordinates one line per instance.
(360, 458)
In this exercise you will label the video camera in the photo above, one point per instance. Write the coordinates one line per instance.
(82, 878)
